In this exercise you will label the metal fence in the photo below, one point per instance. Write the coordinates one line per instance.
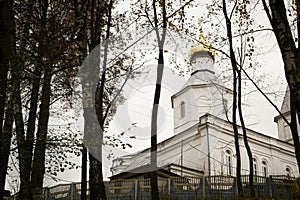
(185, 188)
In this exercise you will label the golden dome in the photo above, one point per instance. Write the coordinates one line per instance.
(202, 46)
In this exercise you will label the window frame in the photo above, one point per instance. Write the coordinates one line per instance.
(264, 167)
(228, 162)
(288, 171)
(182, 109)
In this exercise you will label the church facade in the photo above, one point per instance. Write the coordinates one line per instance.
(203, 141)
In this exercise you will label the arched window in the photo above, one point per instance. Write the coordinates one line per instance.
(182, 109)
(264, 168)
(225, 105)
(228, 162)
(288, 171)
(254, 167)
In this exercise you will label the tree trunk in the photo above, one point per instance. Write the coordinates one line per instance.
(234, 107)
(25, 191)
(236, 137)
(293, 127)
(34, 98)
(38, 165)
(27, 146)
(248, 149)
(6, 21)
(291, 58)
(5, 141)
(80, 23)
(153, 174)
(83, 189)
(159, 74)
(97, 191)
(6, 30)
(97, 188)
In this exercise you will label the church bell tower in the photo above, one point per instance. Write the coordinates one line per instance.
(201, 94)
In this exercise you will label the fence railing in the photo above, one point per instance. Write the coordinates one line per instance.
(213, 187)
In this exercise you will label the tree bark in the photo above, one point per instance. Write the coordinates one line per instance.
(248, 149)
(6, 32)
(236, 137)
(25, 191)
(291, 58)
(80, 23)
(6, 19)
(5, 141)
(27, 144)
(234, 107)
(38, 164)
(153, 174)
(159, 74)
(97, 186)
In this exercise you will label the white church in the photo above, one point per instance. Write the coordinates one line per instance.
(203, 136)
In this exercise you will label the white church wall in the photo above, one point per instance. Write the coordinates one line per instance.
(213, 138)
(284, 132)
(191, 154)
(276, 154)
(282, 128)
(190, 116)
(222, 152)
(199, 100)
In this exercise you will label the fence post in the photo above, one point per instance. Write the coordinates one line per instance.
(236, 187)
(270, 186)
(72, 191)
(135, 189)
(203, 189)
(169, 187)
(46, 193)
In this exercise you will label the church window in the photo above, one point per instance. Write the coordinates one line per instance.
(182, 109)
(225, 105)
(228, 162)
(255, 167)
(264, 168)
(288, 171)
(287, 133)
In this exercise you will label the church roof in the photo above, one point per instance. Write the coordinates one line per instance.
(165, 157)
(285, 107)
(141, 160)
(201, 77)
(202, 46)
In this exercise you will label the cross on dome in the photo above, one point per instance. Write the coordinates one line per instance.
(202, 45)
